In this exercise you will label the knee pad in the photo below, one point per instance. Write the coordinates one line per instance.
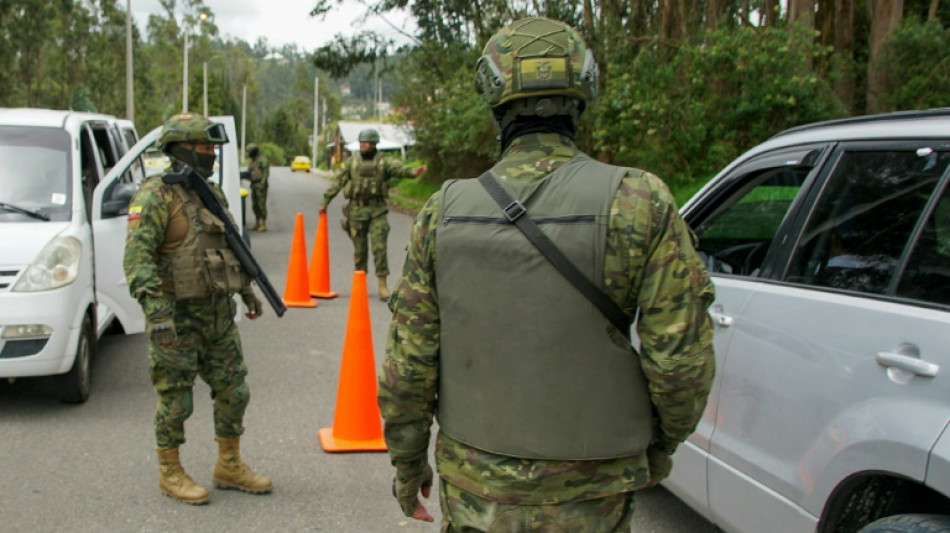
(176, 405)
(233, 398)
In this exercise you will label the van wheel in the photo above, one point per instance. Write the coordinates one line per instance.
(74, 386)
(910, 523)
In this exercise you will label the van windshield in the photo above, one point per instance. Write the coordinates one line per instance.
(34, 174)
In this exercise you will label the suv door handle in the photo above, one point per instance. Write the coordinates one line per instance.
(719, 318)
(907, 358)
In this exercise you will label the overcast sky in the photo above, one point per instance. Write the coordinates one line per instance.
(282, 21)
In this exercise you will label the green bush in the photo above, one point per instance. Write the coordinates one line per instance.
(684, 115)
(917, 59)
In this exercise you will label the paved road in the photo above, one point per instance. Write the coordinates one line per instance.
(92, 468)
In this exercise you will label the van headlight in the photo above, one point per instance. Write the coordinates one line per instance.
(56, 265)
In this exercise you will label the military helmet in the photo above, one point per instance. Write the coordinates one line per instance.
(369, 135)
(536, 57)
(193, 128)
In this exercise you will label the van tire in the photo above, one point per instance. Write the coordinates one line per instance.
(74, 386)
(910, 523)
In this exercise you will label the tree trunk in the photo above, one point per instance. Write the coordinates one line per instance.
(771, 14)
(932, 14)
(844, 86)
(884, 16)
(803, 12)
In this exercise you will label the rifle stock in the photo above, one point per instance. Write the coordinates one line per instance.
(232, 234)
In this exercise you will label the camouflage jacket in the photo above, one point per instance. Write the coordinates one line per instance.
(393, 170)
(150, 211)
(650, 266)
(259, 168)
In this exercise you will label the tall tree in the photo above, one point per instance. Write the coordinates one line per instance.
(885, 16)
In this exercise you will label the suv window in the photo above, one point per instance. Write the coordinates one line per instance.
(865, 218)
(735, 238)
(927, 276)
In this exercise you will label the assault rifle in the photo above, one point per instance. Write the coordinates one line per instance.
(232, 234)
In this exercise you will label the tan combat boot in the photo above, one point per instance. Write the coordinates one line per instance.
(230, 472)
(262, 225)
(174, 482)
(383, 291)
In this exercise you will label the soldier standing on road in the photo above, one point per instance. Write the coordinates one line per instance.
(365, 181)
(549, 419)
(182, 272)
(259, 169)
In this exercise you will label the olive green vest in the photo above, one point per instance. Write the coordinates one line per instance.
(202, 265)
(367, 180)
(527, 368)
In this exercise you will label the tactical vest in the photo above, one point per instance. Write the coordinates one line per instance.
(367, 180)
(202, 265)
(527, 368)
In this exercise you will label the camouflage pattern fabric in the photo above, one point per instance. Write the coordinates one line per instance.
(369, 226)
(367, 220)
(208, 346)
(650, 265)
(260, 176)
(206, 339)
(468, 513)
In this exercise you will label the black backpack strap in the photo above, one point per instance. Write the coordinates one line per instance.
(516, 213)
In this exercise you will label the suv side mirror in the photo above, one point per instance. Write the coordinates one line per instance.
(117, 198)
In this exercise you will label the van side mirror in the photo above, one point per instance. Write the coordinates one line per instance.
(116, 199)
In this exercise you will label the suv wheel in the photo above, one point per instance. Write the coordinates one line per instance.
(74, 385)
(910, 523)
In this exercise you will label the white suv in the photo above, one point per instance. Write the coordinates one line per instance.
(829, 246)
(66, 179)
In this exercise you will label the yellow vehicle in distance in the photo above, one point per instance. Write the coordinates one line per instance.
(301, 162)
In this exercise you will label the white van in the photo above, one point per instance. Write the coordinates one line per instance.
(66, 179)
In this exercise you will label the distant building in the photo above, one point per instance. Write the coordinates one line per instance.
(392, 137)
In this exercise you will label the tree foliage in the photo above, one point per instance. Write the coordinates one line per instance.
(685, 86)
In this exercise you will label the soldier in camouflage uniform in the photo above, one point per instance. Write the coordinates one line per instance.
(183, 274)
(259, 169)
(549, 420)
(365, 181)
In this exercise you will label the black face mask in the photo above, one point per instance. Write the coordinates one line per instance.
(369, 153)
(202, 163)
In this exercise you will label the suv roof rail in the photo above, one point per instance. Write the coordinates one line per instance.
(897, 115)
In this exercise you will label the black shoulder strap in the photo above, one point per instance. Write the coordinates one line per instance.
(515, 212)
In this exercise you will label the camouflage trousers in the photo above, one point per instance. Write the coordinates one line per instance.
(208, 346)
(464, 512)
(369, 226)
(259, 199)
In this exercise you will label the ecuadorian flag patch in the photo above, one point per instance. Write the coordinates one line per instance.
(135, 212)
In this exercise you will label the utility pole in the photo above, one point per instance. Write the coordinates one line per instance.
(184, 78)
(316, 118)
(129, 90)
(204, 79)
(243, 119)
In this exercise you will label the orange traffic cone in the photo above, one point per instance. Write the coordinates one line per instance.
(297, 290)
(357, 423)
(320, 262)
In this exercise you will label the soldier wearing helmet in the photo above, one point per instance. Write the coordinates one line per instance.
(365, 181)
(259, 169)
(549, 419)
(182, 272)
